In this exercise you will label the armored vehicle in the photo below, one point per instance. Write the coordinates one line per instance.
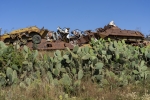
(113, 32)
(22, 36)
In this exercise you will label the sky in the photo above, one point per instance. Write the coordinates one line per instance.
(75, 14)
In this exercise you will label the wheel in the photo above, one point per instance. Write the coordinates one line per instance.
(36, 39)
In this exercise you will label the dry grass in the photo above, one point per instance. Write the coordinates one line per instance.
(38, 91)
(87, 91)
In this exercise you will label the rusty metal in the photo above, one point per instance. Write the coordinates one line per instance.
(45, 45)
(61, 39)
(86, 39)
(83, 40)
(116, 33)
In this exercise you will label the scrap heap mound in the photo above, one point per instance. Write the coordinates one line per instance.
(44, 39)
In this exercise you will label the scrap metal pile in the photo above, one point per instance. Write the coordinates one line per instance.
(44, 39)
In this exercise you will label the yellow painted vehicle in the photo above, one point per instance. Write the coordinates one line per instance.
(22, 36)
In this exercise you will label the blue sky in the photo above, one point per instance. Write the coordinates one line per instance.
(76, 14)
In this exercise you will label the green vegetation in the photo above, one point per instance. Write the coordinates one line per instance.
(107, 70)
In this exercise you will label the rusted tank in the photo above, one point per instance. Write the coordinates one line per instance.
(114, 32)
(53, 45)
(22, 36)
